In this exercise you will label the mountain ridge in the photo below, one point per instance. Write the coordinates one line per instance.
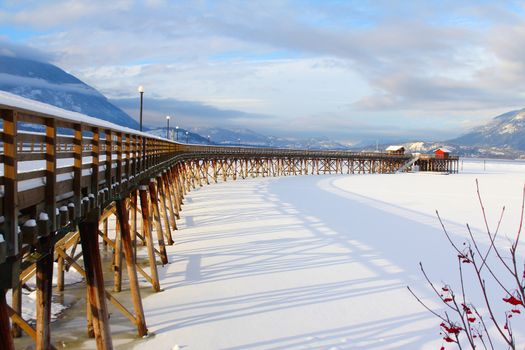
(50, 84)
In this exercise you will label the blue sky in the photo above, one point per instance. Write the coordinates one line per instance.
(346, 69)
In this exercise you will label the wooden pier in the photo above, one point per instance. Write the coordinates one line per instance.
(64, 184)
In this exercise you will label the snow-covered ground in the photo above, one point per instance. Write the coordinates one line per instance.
(322, 262)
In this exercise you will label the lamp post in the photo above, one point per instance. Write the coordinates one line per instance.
(208, 139)
(141, 91)
(168, 127)
(177, 132)
(187, 136)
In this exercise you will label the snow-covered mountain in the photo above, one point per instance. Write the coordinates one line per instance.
(47, 83)
(192, 137)
(505, 131)
(248, 137)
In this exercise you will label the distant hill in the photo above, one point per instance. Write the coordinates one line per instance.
(504, 131)
(247, 137)
(47, 83)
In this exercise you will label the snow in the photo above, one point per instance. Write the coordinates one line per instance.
(30, 223)
(43, 216)
(322, 262)
(29, 297)
(508, 129)
(2, 238)
(394, 148)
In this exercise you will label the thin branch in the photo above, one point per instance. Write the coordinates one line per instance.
(488, 230)
(484, 327)
(488, 267)
(432, 285)
(446, 233)
(515, 245)
(425, 306)
(492, 240)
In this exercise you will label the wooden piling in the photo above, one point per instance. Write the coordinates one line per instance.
(95, 281)
(117, 261)
(129, 255)
(157, 221)
(146, 229)
(44, 280)
(6, 340)
(16, 305)
(163, 193)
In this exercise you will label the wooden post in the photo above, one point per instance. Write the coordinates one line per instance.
(149, 240)
(60, 273)
(95, 281)
(105, 234)
(16, 305)
(156, 219)
(6, 341)
(44, 279)
(10, 270)
(163, 192)
(129, 255)
(89, 318)
(117, 262)
(172, 208)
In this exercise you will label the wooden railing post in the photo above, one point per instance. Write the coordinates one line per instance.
(95, 153)
(51, 172)
(10, 269)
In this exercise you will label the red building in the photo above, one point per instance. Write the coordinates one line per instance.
(442, 153)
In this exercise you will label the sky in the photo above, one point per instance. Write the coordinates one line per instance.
(344, 69)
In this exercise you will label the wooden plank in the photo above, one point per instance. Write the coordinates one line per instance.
(26, 156)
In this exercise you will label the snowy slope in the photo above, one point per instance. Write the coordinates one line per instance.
(49, 84)
(506, 130)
